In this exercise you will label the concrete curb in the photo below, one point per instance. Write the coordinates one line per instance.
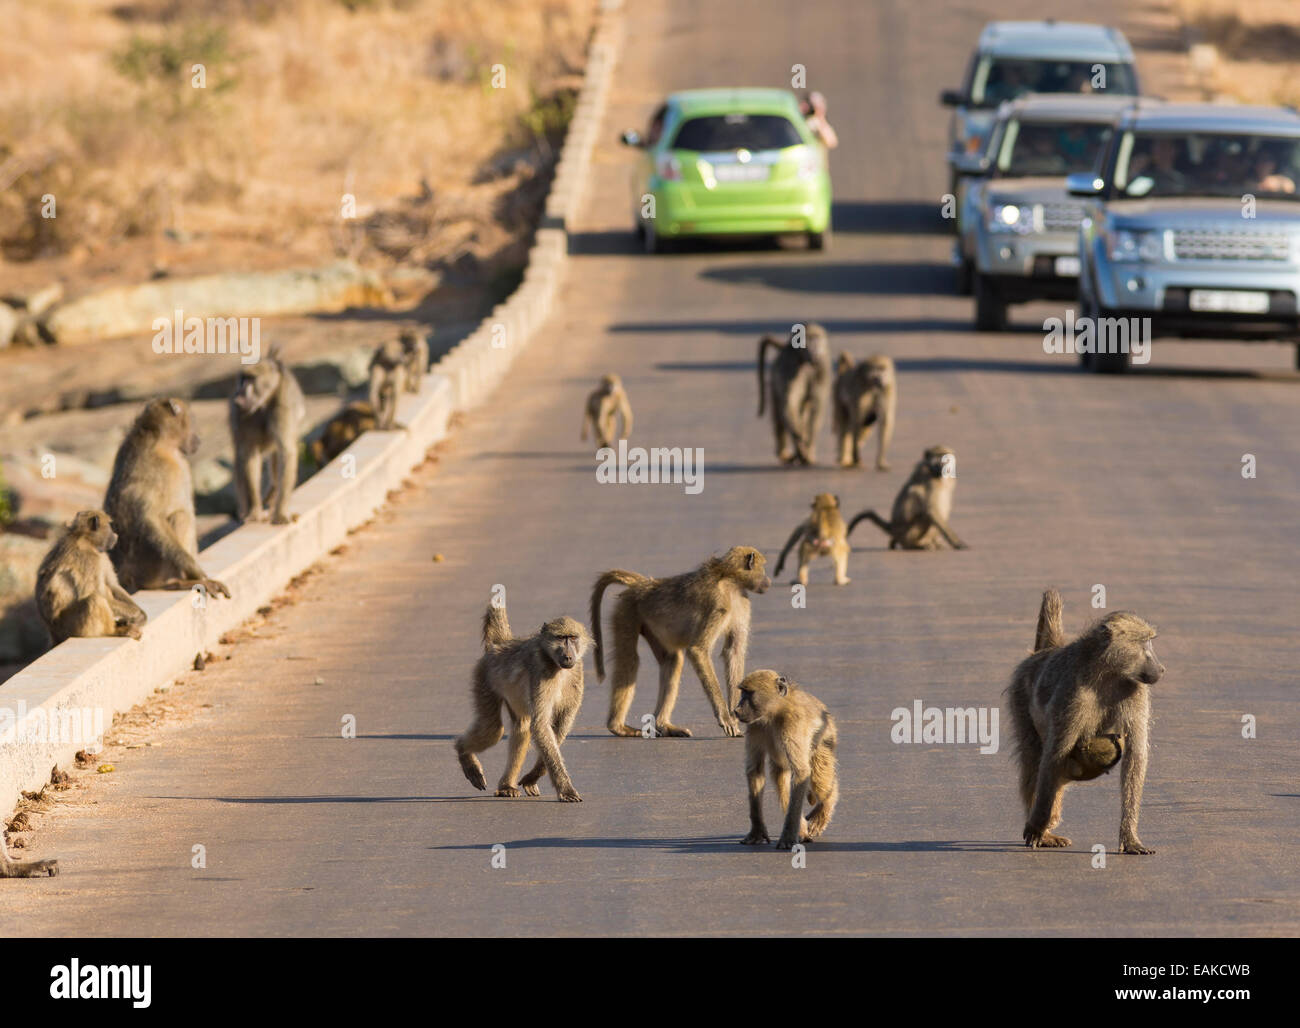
(61, 702)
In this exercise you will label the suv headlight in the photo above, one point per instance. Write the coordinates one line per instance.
(1011, 217)
(1144, 247)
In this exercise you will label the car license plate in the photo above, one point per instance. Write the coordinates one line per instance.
(1067, 267)
(1229, 301)
(741, 172)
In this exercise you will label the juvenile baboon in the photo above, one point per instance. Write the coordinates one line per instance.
(150, 500)
(1076, 709)
(266, 416)
(685, 614)
(821, 534)
(341, 431)
(77, 591)
(865, 394)
(539, 679)
(603, 403)
(923, 506)
(800, 390)
(387, 383)
(795, 734)
(416, 349)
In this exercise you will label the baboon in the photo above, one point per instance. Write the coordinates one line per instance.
(1078, 708)
(603, 403)
(387, 383)
(794, 732)
(415, 346)
(800, 390)
(539, 679)
(685, 614)
(150, 501)
(24, 868)
(341, 431)
(820, 535)
(865, 394)
(266, 416)
(923, 506)
(77, 591)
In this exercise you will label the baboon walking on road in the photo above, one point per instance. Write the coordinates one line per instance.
(800, 389)
(77, 591)
(539, 679)
(266, 416)
(923, 506)
(150, 501)
(683, 615)
(1076, 709)
(605, 403)
(865, 394)
(822, 534)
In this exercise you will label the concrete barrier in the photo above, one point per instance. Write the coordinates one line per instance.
(59, 703)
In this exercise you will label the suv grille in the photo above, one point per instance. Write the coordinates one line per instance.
(1196, 244)
(1062, 217)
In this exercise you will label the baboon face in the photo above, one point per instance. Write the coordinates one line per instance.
(749, 568)
(566, 641)
(95, 526)
(257, 384)
(762, 694)
(879, 372)
(611, 382)
(935, 457)
(1131, 647)
(171, 419)
(408, 340)
(824, 506)
(817, 341)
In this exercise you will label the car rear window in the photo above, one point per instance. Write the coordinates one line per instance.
(999, 79)
(737, 132)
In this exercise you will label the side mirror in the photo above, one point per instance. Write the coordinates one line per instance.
(631, 138)
(1084, 183)
(952, 98)
(972, 164)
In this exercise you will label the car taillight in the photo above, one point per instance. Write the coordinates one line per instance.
(669, 168)
(810, 163)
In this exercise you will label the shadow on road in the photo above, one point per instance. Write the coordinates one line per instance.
(731, 844)
(759, 328)
(906, 217)
(917, 278)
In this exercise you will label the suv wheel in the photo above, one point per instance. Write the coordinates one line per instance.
(650, 239)
(820, 240)
(990, 308)
(1102, 363)
(965, 276)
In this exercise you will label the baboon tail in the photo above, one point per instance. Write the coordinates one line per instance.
(763, 344)
(870, 515)
(614, 576)
(845, 363)
(1051, 632)
(496, 629)
(794, 538)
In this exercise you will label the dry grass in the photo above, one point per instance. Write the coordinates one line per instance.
(1257, 42)
(390, 101)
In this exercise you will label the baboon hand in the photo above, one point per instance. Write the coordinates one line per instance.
(215, 588)
(531, 789)
(883, 465)
(1034, 835)
(507, 791)
(756, 837)
(1134, 845)
(786, 842)
(133, 632)
(730, 726)
(570, 795)
(284, 519)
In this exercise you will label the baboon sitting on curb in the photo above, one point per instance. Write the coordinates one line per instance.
(415, 347)
(1076, 709)
(795, 734)
(800, 390)
(341, 431)
(150, 501)
(604, 403)
(539, 679)
(686, 614)
(77, 591)
(822, 534)
(923, 506)
(865, 394)
(266, 416)
(387, 383)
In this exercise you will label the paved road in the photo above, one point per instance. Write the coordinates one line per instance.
(1064, 479)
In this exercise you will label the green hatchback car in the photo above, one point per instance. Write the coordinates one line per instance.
(728, 162)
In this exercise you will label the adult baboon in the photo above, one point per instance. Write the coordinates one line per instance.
(341, 431)
(387, 383)
(415, 347)
(686, 614)
(819, 535)
(150, 501)
(77, 591)
(865, 394)
(923, 506)
(266, 416)
(1078, 707)
(605, 403)
(539, 679)
(800, 389)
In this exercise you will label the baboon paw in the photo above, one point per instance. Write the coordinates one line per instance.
(284, 519)
(731, 729)
(843, 581)
(1052, 841)
(216, 588)
(624, 731)
(531, 790)
(132, 633)
(672, 731)
(508, 791)
(1135, 846)
(756, 838)
(570, 795)
(883, 465)
(786, 842)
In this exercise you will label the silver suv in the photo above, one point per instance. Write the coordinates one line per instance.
(1018, 227)
(1193, 221)
(1013, 58)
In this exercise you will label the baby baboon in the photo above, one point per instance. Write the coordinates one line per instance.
(387, 383)
(266, 415)
(341, 431)
(865, 393)
(1076, 709)
(415, 347)
(794, 733)
(77, 591)
(820, 535)
(800, 390)
(539, 679)
(603, 403)
(683, 614)
(923, 506)
(150, 500)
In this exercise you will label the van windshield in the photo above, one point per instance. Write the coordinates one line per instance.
(1055, 148)
(1003, 78)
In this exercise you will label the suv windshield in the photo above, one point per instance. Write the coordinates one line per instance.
(1205, 164)
(999, 78)
(737, 132)
(1050, 147)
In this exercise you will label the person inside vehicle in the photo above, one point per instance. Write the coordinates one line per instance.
(814, 111)
(1007, 81)
(1158, 165)
(1267, 177)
